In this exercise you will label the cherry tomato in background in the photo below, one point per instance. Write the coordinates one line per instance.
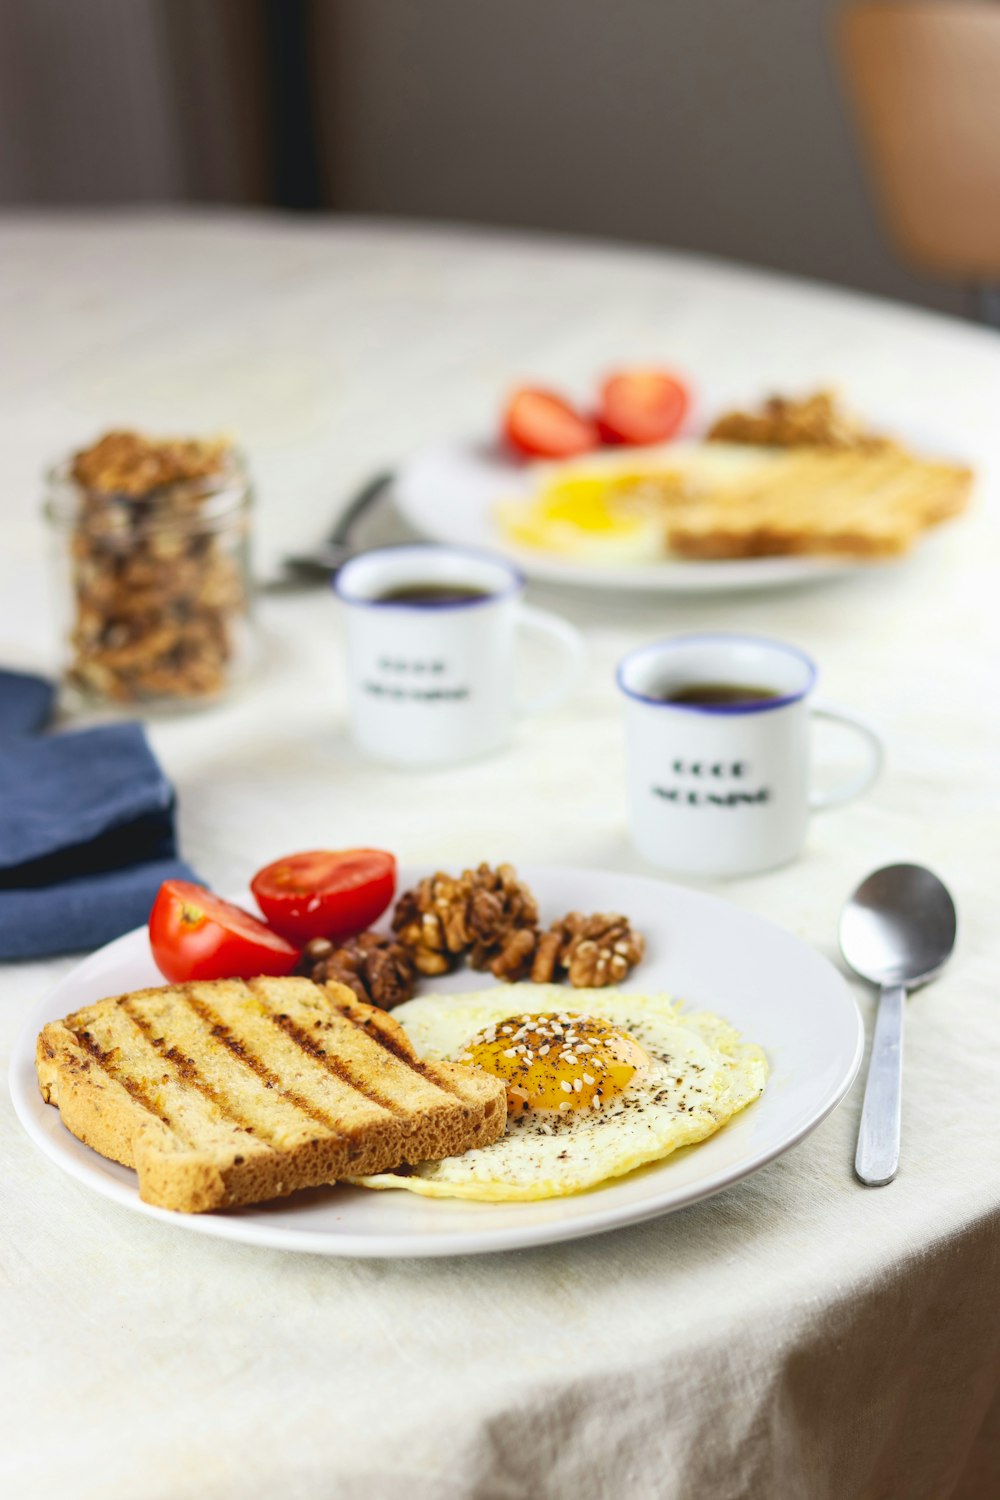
(195, 935)
(325, 892)
(641, 406)
(540, 424)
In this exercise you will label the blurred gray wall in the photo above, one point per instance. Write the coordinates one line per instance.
(131, 101)
(712, 125)
(708, 124)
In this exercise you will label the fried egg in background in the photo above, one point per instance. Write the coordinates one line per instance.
(614, 509)
(599, 1082)
(611, 518)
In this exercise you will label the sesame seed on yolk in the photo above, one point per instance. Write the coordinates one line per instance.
(538, 1061)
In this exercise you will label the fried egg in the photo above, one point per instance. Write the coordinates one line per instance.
(614, 518)
(598, 1083)
(609, 510)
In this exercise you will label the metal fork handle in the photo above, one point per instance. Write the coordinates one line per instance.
(369, 492)
(877, 1158)
(309, 569)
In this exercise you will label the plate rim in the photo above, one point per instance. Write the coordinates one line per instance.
(22, 1085)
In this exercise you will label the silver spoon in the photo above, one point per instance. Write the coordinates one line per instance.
(896, 931)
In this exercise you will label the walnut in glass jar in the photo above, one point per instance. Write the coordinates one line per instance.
(155, 543)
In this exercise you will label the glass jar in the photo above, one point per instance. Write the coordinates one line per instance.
(153, 570)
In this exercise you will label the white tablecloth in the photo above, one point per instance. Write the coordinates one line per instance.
(797, 1336)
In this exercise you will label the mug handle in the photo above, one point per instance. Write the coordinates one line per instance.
(569, 640)
(847, 790)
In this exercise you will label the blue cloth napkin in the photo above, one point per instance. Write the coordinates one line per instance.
(25, 702)
(86, 830)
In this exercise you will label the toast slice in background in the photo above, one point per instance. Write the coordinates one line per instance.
(225, 1092)
(811, 501)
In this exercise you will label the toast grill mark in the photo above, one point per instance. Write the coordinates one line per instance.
(332, 1064)
(187, 1071)
(227, 1037)
(373, 1028)
(106, 1061)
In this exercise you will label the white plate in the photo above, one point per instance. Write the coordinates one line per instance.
(448, 493)
(777, 991)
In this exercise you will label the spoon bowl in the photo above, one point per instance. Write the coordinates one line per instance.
(897, 931)
(899, 927)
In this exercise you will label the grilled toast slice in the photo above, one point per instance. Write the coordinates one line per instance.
(225, 1092)
(846, 504)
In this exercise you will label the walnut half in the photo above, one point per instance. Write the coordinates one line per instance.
(514, 958)
(592, 951)
(481, 914)
(816, 421)
(378, 969)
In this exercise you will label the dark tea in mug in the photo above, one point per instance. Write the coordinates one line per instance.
(431, 593)
(714, 694)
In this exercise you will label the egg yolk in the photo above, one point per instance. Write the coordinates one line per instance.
(557, 1062)
(593, 503)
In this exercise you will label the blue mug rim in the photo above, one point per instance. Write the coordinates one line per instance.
(515, 586)
(725, 710)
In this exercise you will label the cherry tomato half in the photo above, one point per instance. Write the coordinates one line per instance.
(541, 424)
(325, 892)
(195, 935)
(641, 406)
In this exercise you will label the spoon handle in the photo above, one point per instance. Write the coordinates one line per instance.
(877, 1159)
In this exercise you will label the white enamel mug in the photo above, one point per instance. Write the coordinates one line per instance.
(724, 789)
(433, 683)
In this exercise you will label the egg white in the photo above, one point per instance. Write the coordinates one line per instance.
(629, 531)
(701, 1074)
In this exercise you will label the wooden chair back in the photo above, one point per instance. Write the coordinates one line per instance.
(924, 79)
